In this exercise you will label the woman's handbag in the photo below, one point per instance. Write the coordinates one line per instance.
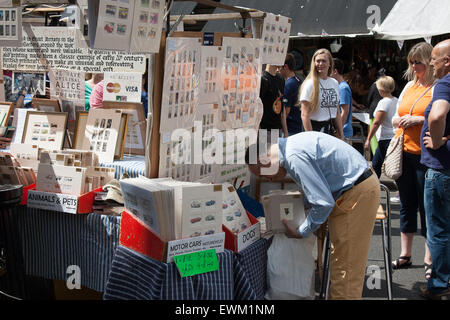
(392, 165)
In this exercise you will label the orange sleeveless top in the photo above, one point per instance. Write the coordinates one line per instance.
(411, 143)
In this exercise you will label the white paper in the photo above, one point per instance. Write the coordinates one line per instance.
(275, 36)
(60, 179)
(123, 87)
(234, 215)
(52, 201)
(114, 24)
(210, 79)
(241, 78)
(147, 26)
(134, 137)
(181, 83)
(67, 85)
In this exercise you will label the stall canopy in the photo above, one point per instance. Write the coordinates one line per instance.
(412, 19)
(310, 18)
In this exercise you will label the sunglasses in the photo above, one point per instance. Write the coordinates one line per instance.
(415, 62)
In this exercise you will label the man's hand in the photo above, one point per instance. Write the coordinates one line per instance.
(428, 142)
(291, 232)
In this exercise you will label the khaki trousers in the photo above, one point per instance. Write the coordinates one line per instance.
(350, 226)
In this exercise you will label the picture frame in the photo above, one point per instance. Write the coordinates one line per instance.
(28, 82)
(102, 132)
(47, 130)
(5, 112)
(80, 128)
(137, 125)
(122, 134)
(46, 105)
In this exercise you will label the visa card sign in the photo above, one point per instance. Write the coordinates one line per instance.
(122, 87)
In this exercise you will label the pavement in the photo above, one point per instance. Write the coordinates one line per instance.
(405, 282)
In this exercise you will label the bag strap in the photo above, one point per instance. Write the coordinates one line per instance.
(424, 93)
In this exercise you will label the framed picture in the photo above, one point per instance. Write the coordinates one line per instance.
(5, 112)
(45, 129)
(32, 83)
(102, 132)
(80, 128)
(47, 105)
(122, 134)
(137, 125)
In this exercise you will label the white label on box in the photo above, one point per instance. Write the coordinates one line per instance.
(248, 237)
(189, 245)
(52, 201)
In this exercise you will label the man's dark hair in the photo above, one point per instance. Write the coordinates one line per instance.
(290, 61)
(339, 65)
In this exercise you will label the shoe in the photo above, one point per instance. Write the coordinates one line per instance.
(427, 294)
(428, 269)
(395, 199)
(397, 265)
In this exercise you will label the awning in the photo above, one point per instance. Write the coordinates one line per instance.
(311, 18)
(413, 19)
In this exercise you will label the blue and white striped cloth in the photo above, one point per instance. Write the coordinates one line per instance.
(254, 261)
(53, 241)
(133, 165)
(134, 276)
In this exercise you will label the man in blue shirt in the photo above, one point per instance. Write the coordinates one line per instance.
(291, 118)
(345, 98)
(340, 187)
(435, 146)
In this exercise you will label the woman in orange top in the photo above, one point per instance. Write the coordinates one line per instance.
(410, 185)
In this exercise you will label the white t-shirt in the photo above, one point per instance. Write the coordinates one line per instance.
(386, 130)
(328, 97)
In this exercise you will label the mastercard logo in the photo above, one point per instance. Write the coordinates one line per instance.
(113, 87)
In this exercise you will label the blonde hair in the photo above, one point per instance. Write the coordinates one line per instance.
(420, 52)
(386, 84)
(314, 76)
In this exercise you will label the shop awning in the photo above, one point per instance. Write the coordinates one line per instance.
(413, 19)
(311, 18)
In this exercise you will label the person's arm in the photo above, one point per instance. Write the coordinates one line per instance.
(284, 115)
(307, 173)
(434, 139)
(306, 110)
(379, 118)
(345, 110)
(338, 124)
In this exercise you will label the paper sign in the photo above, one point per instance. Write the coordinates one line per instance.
(52, 201)
(248, 237)
(195, 263)
(190, 245)
(122, 87)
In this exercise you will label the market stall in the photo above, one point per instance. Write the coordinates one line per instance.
(71, 161)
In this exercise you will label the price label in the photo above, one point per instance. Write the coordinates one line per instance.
(191, 264)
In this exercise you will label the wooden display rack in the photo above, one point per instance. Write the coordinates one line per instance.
(153, 135)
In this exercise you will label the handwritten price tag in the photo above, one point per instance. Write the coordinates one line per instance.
(191, 264)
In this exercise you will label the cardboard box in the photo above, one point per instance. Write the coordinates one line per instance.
(62, 202)
(135, 235)
(242, 240)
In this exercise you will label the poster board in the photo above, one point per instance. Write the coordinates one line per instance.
(137, 125)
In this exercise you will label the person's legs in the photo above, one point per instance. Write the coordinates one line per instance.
(378, 157)
(350, 227)
(407, 189)
(437, 206)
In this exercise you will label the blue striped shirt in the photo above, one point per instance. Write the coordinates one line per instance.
(324, 167)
